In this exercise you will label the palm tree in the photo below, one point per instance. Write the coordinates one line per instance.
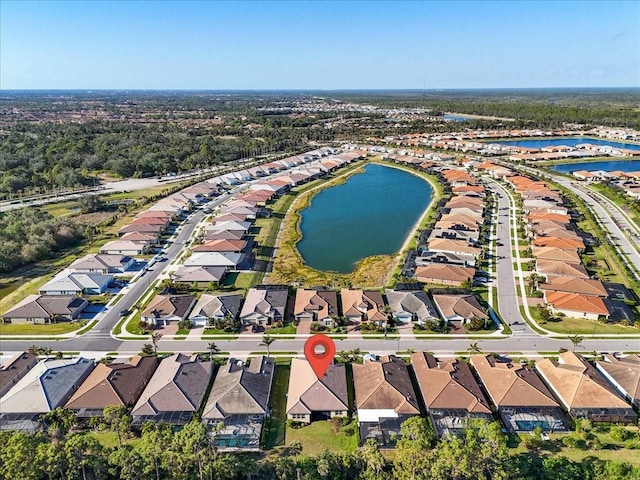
(474, 348)
(267, 340)
(213, 348)
(576, 340)
(155, 338)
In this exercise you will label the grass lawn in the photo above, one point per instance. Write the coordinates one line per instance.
(318, 437)
(611, 449)
(576, 325)
(287, 330)
(110, 439)
(49, 329)
(274, 431)
(241, 281)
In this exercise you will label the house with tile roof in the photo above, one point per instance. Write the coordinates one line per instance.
(166, 308)
(201, 275)
(114, 384)
(384, 398)
(579, 286)
(363, 306)
(553, 253)
(458, 310)
(574, 305)
(550, 268)
(39, 309)
(560, 242)
(444, 274)
(450, 392)
(215, 307)
(310, 399)
(624, 374)
(125, 247)
(315, 305)
(45, 387)
(264, 305)
(523, 400)
(411, 306)
(14, 369)
(583, 392)
(239, 400)
(175, 392)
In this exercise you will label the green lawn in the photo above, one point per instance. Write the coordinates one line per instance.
(318, 437)
(49, 329)
(287, 330)
(571, 326)
(274, 431)
(110, 439)
(241, 281)
(611, 449)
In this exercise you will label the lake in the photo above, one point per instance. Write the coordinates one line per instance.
(372, 213)
(569, 142)
(622, 165)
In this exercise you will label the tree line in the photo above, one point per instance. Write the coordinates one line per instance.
(61, 451)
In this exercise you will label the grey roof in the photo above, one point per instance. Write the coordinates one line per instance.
(415, 302)
(95, 261)
(76, 281)
(199, 274)
(264, 301)
(42, 306)
(46, 386)
(211, 306)
(178, 385)
(239, 389)
(14, 369)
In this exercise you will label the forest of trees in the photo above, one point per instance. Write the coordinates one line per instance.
(28, 235)
(480, 453)
(59, 142)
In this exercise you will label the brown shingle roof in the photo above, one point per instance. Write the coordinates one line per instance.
(384, 384)
(448, 384)
(512, 385)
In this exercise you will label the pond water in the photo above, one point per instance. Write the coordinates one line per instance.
(569, 142)
(372, 213)
(622, 165)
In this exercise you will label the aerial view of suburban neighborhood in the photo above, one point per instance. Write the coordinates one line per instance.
(286, 278)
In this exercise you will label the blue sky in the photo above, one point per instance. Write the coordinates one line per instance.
(318, 45)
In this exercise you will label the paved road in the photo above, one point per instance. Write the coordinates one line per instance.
(508, 302)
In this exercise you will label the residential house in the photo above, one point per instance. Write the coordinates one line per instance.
(102, 263)
(310, 398)
(316, 306)
(228, 260)
(239, 402)
(76, 283)
(457, 247)
(583, 392)
(450, 392)
(523, 400)
(363, 306)
(167, 308)
(624, 374)
(215, 307)
(36, 309)
(411, 306)
(47, 386)
(550, 268)
(175, 392)
(201, 276)
(115, 384)
(384, 398)
(221, 245)
(264, 305)
(574, 305)
(444, 274)
(459, 310)
(579, 286)
(125, 247)
(553, 253)
(425, 257)
(14, 369)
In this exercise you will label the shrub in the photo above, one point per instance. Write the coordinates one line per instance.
(620, 434)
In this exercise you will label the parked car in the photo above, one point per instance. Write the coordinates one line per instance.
(125, 312)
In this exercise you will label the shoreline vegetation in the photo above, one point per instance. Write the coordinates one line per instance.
(373, 271)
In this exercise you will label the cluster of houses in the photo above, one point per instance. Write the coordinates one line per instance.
(315, 309)
(628, 182)
(235, 407)
(556, 247)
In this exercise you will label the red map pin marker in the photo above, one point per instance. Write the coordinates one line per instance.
(319, 351)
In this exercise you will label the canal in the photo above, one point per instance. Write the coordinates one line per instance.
(372, 213)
